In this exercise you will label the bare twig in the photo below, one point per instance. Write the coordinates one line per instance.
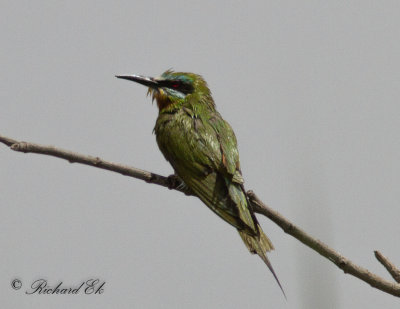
(343, 263)
(73, 157)
(390, 267)
(8, 141)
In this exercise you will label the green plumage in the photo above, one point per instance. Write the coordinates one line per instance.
(202, 148)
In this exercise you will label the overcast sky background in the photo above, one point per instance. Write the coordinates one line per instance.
(312, 91)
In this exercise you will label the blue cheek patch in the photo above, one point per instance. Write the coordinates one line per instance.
(175, 93)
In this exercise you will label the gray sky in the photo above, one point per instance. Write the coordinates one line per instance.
(311, 89)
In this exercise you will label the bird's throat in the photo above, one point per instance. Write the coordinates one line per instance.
(163, 103)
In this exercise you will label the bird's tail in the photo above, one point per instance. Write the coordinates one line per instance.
(260, 244)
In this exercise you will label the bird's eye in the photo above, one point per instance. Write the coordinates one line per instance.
(177, 85)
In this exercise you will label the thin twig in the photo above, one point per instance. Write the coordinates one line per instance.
(343, 263)
(8, 141)
(74, 157)
(390, 267)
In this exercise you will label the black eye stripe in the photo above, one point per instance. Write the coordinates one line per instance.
(179, 85)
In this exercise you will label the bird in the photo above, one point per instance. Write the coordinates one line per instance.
(202, 149)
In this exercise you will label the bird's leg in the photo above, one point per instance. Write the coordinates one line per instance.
(175, 182)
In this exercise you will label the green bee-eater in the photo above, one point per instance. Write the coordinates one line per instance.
(202, 149)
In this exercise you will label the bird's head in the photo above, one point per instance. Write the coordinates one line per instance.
(172, 89)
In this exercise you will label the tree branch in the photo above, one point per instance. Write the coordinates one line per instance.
(73, 157)
(170, 182)
(343, 263)
(395, 272)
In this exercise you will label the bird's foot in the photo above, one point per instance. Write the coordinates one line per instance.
(174, 182)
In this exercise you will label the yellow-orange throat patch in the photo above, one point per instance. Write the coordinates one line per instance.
(161, 97)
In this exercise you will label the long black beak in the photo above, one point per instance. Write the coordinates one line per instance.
(147, 81)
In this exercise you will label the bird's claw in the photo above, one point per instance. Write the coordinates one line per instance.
(174, 182)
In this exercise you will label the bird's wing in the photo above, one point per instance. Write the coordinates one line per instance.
(203, 152)
(231, 170)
